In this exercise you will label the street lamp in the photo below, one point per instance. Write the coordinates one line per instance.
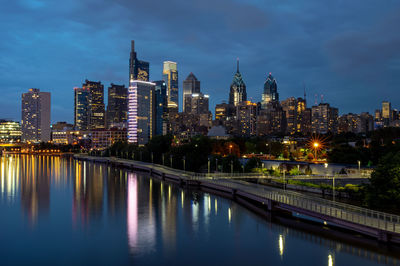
(184, 166)
(230, 149)
(170, 160)
(208, 165)
(216, 165)
(231, 167)
(359, 166)
(315, 145)
(152, 157)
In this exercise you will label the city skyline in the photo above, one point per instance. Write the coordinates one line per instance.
(312, 58)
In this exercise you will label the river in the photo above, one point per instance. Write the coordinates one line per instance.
(58, 211)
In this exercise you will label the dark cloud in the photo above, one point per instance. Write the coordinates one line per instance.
(336, 48)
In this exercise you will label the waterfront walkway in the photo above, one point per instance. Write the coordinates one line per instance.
(382, 226)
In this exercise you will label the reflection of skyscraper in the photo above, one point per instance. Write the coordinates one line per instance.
(116, 190)
(35, 186)
(138, 70)
(238, 88)
(35, 120)
(170, 76)
(81, 111)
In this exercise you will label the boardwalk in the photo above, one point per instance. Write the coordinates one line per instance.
(383, 226)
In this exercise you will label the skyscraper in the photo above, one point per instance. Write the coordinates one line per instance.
(246, 113)
(324, 119)
(190, 86)
(237, 92)
(117, 108)
(270, 91)
(35, 122)
(197, 103)
(170, 76)
(96, 109)
(81, 108)
(141, 112)
(386, 113)
(138, 70)
(161, 109)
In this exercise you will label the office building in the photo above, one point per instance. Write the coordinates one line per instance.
(161, 108)
(270, 93)
(197, 103)
(190, 86)
(117, 108)
(35, 120)
(81, 108)
(104, 138)
(170, 76)
(138, 70)
(271, 120)
(324, 119)
(386, 113)
(237, 92)
(10, 131)
(96, 108)
(141, 111)
(246, 115)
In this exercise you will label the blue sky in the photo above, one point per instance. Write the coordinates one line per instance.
(348, 51)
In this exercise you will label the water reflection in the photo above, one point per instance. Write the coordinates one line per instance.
(149, 219)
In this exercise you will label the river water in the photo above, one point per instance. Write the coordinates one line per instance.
(58, 211)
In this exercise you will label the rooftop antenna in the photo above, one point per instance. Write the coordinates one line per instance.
(304, 88)
(316, 99)
(237, 64)
(322, 98)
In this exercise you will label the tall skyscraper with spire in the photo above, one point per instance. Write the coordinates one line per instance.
(238, 92)
(138, 70)
(270, 93)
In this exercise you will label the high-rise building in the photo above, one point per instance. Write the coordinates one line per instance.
(246, 114)
(324, 119)
(117, 108)
(223, 111)
(138, 70)
(190, 86)
(161, 109)
(35, 122)
(271, 120)
(81, 108)
(386, 113)
(237, 92)
(170, 76)
(270, 93)
(96, 108)
(10, 131)
(355, 123)
(290, 107)
(197, 103)
(141, 111)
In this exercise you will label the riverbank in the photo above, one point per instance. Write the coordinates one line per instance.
(382, 226)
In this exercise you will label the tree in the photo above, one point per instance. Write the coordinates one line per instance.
(384, 187)
(251, 164)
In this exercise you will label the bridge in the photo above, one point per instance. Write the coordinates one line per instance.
(380, 225)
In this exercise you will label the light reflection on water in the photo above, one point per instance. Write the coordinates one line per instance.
(98, 214)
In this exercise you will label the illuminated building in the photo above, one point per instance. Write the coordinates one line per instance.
(271, 120)
(138, 70)
(117, 108)
(35, 122)
(141, 111)
(297, 116)
(10, 131)
(62, 126)
(356, 123)
(161, 109)
(324, 119)
(386, 113)
(223, 111)
(170, 76)
(104, 138)
(197, 103)
(190, 86)
(237, 92)
(246, 115)
(59, 132)
(96, 108)
(81, 108)
(72, 137)
(270, 93)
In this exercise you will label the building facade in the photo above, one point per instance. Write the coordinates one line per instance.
(10, 131)
(161, 109)
(170, 76)
(35, 118)
(246, 115)
(104, 138)
(324, 119)
(237, 92)
(191, 85)
(96, 108)
(270, 93)
(138, 70)
(117, 108)
(81, 108)
(141, 111)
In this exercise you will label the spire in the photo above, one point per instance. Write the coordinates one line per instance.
(304, 85)
(237, 64)
(132, 45)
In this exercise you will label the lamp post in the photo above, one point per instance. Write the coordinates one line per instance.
(184, 166)
(316, 145)
(152, 157)
(230, 149)
(333, 187)
(209, 165)
(163, 159)
(359, 166)
(170, 160)
(231, 167)
(216, 165)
